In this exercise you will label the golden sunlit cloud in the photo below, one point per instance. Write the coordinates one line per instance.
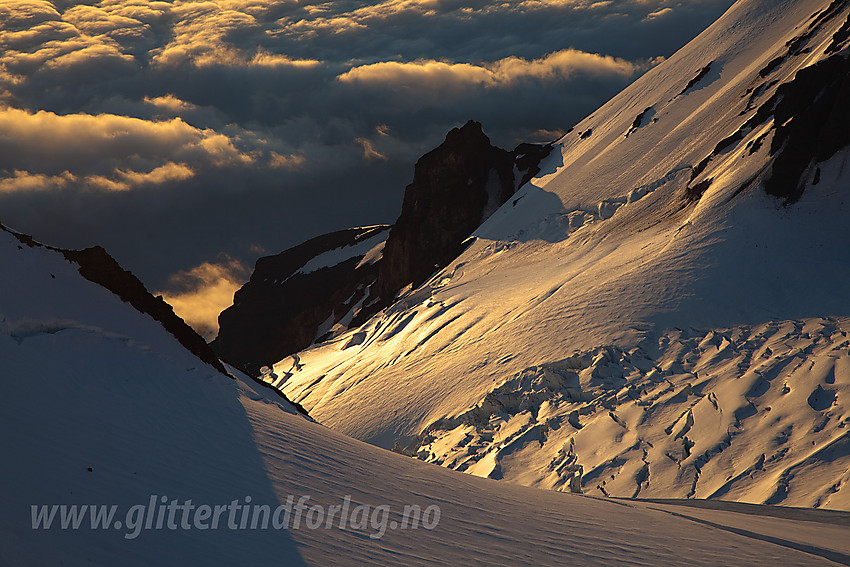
(199, 36)
(200, 294)
(52, 30)
(561, 64)
(359, 19)
(124, 180)
(26, 181)
(141, 10)
(96, 21)
(61, 52)
(659, 13)
(121, 180)
(170, 102)
(107, 152)
(25, 13)
(440, 75)
(202, 32)
(321, 19)
(419, 74)
(35, 34)
(369, 151)
(289, 161)
(575, 5)
(264, 59)
(221, 150)
(88, 54)
(76, 138)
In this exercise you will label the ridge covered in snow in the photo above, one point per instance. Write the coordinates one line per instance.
(163, 459)
(708, 199)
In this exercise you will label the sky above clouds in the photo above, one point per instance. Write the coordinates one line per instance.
(191, 137)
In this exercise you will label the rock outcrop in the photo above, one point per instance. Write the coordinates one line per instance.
(295, 297)
(455, 188)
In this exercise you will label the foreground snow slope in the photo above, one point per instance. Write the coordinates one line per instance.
(102, 407)
(648, 235)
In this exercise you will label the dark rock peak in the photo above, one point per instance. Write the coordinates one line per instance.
(455, 188)
(471, 133)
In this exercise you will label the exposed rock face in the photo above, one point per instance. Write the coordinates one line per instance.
(298, 295)
(455, 188)
(814, 123)
(809, 114)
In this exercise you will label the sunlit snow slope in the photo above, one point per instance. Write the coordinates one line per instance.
(643, 318)
(101, 406)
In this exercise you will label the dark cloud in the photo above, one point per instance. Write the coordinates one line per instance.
(172, 132)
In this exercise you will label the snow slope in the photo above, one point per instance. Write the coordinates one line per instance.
(102, 407)
(647, 235)
(369, 248)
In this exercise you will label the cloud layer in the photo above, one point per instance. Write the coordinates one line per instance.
(506, 72)
(172, 132)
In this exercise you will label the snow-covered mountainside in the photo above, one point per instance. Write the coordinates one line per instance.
(662, 311)
(114, 430)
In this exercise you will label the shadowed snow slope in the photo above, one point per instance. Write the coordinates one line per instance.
(101, 406)
(647, 240)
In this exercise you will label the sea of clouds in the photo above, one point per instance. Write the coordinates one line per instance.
(190, 137)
